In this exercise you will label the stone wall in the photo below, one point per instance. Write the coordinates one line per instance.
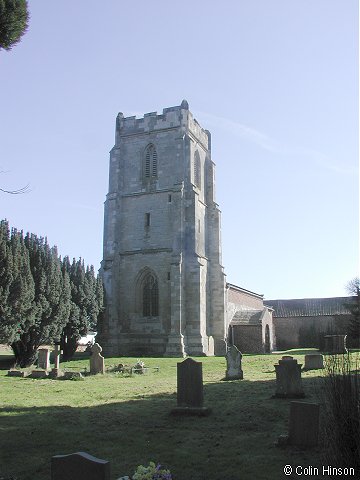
(248, 338)
(297, 332)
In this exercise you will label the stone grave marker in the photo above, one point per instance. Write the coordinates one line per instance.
(314, 361)
(56, 372)
(288, 378)
(233, 364)
(73, 376)
(39, 374)
(211, 345)
(97, 362)
(190, 396)
(44, 358)
(17, 373)
(79, 466)
(304, 424)
(335, 344)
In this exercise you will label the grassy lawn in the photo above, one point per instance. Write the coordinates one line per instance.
(127, 420)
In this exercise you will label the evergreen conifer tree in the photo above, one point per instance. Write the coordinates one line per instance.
(17, 286)
(14, 18)
(51, 301)
(85, 305)
(6, 279)
(43, 297)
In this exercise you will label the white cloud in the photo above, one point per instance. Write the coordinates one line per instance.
(272, 145)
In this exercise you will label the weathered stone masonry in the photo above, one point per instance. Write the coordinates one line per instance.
(164, 282)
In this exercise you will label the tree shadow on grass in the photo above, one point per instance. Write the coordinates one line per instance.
(237, 441)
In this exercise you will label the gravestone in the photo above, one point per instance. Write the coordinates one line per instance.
(211, 346)
(335, 344)
(39, 374)
(314, 361)
(288, 378)
(97, 362)
(304, 424)
(17, 373)
(44, 358)
(79, 466)
(73, 376)
(56, 372)
(190, 396)
(233, 364)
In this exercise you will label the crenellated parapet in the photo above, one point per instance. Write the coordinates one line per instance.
(171, 118)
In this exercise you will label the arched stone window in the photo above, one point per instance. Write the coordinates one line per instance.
(197, 169)
(150, 163)
(150, 296)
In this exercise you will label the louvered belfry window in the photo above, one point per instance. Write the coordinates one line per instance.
(150, 162)
(150, 296)
(197, 170)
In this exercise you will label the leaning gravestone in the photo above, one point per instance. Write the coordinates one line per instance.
(314, 361)
(233, 364)
(190, 397)
(44, 358)
(288, 379)
(97, 362)
(79, 466)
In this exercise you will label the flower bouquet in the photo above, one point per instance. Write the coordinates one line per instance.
(151, 472)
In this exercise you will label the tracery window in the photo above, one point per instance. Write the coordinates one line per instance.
(197, 169)
(150, 164)
(150, 290)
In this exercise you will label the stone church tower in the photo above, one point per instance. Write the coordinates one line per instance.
(164, 282)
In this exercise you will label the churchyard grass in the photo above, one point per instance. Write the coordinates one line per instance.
(126, 419)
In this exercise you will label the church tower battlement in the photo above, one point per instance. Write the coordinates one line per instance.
(164, 282)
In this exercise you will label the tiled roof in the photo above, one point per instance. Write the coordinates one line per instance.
(309, 307)
(249, 317)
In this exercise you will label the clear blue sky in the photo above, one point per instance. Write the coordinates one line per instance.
(276, 83)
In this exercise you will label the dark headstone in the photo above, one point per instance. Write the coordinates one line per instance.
(335, 344)
(288, 378)
(44, 358)
(314, 361)
(39, 374)
(304, 424)
(190, 397)
(79, 466)
(17, 373)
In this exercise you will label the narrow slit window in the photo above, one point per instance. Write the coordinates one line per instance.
(147, 219)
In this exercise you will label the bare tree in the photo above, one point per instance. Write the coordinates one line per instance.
(18, 191)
